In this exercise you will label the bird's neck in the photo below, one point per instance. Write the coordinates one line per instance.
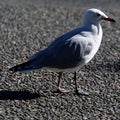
(96, 29)
(97, 32)
(93, 27)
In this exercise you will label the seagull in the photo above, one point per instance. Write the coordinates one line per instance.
(71, 51)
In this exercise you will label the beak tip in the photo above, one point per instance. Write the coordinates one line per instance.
(110, 19)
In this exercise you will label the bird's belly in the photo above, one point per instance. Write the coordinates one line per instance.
(88, 57)
(67, 69)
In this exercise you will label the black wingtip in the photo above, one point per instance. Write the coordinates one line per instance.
(13, 69)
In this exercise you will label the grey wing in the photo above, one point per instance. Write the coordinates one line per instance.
(67, 55)
(37, 55)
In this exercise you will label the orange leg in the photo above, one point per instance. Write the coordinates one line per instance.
(59, 84)
(79, 91)
(76, 84)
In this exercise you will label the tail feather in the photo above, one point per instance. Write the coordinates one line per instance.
(24, 67)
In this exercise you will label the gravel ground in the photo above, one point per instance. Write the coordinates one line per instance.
(26, 28)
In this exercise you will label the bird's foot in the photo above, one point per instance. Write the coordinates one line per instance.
(61, 90)
(80, 91)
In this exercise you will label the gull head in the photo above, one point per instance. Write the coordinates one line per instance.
(94, 16)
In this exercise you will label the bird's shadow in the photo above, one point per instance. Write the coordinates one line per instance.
(18, 95)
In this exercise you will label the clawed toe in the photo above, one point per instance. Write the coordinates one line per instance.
(61, 90)
(80, 91)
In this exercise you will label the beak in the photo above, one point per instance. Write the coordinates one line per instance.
(109, 19)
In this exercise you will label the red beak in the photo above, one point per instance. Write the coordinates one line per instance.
(109, 19)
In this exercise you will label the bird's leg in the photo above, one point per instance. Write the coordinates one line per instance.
(59, 84)
(59, 79)
(76, 84)
(79, 90)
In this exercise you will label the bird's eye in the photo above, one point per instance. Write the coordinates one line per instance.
(98, 14)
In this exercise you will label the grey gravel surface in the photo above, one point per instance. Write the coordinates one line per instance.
(27, 27)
